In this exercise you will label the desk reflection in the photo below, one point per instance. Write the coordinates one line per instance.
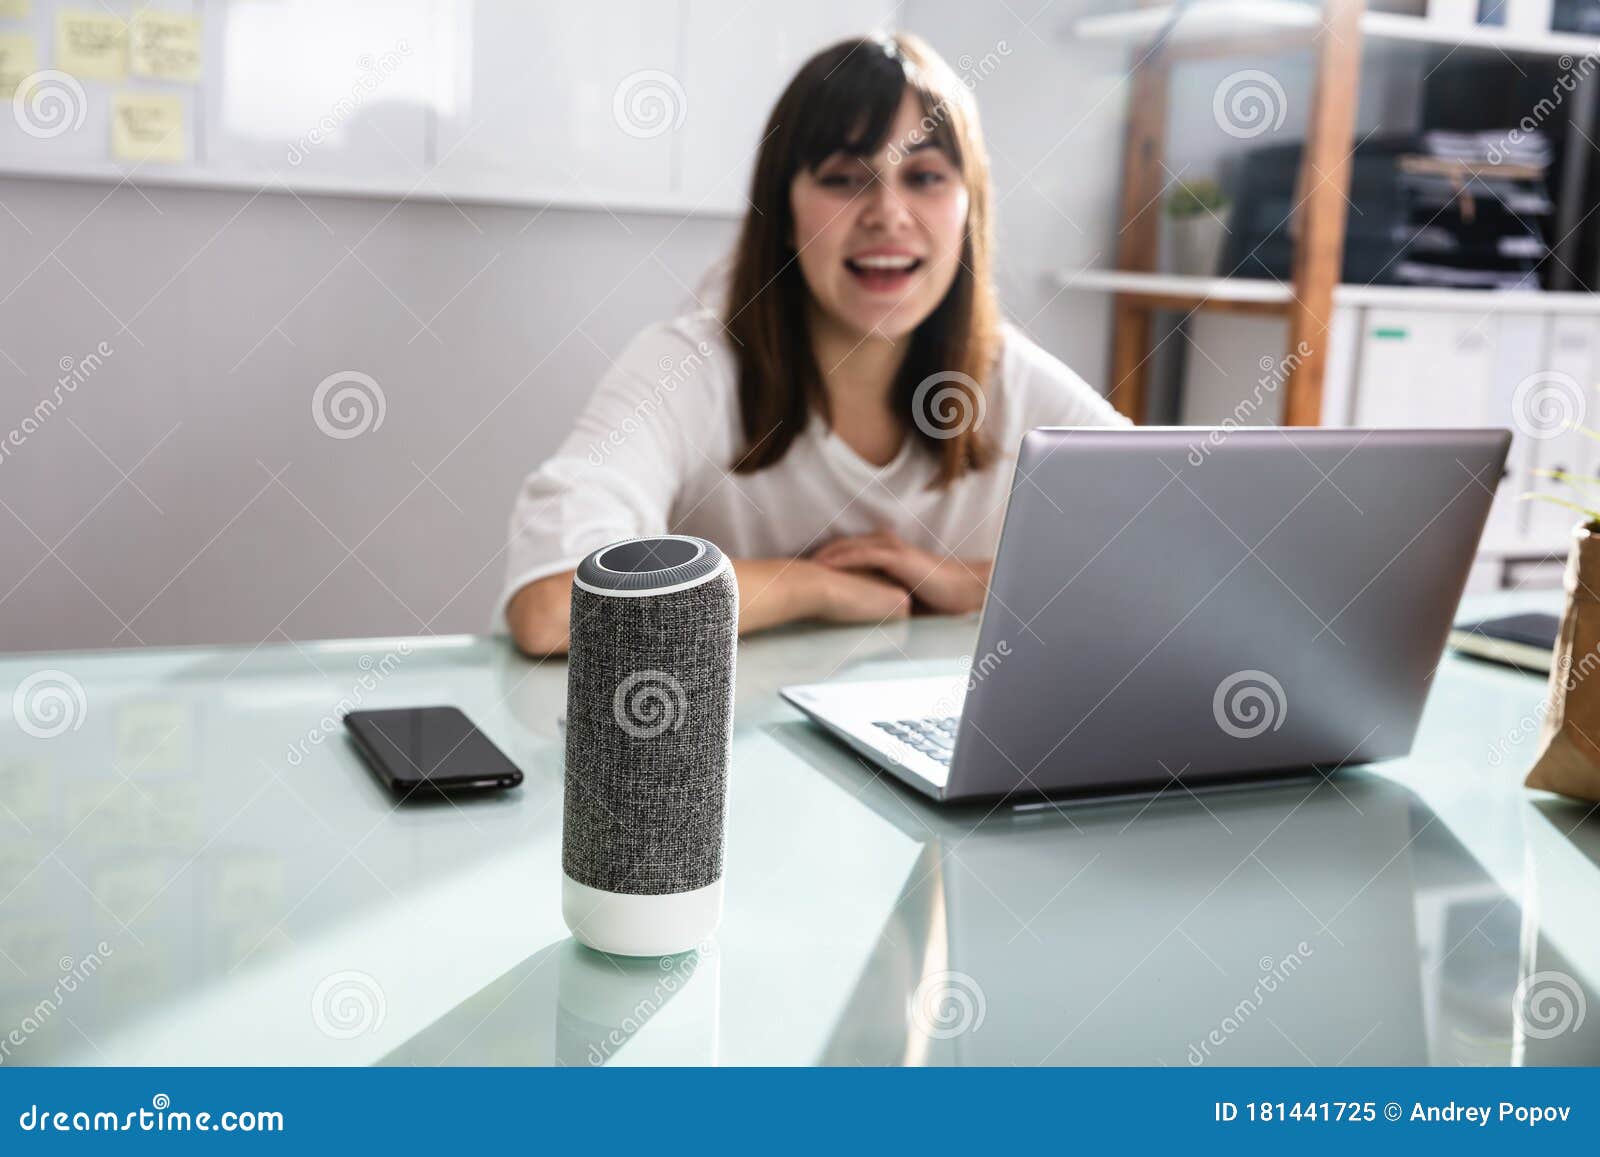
(569, 1005)
(1320, 921)
(217, 867)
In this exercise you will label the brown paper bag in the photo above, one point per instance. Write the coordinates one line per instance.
(1569, 742)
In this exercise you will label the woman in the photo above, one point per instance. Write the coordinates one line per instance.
(843, 430)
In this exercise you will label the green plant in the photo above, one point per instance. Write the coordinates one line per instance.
(1192, 198)
(1579, 483)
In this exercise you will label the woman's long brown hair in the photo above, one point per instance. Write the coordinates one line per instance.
(845, 99)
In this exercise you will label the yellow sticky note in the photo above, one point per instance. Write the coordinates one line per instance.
(13, 9)
(91, 45)
(165, 46)
(18, 59)
(148, 126)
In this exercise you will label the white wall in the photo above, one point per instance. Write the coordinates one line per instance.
(485, 328)
(236, 307)
(1053, 112)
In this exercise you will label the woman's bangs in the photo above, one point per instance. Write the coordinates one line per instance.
(941, 121)
(853, 109)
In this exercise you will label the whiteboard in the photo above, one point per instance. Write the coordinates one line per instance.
(627, 104)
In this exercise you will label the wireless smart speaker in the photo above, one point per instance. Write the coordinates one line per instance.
(649, 724)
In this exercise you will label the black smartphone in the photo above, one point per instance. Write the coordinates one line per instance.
(429, 750)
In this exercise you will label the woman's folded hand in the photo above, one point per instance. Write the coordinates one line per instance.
(941, 584)
(845, 596)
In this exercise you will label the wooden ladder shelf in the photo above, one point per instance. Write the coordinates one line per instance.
(1319, 215)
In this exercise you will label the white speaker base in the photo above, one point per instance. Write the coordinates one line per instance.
(626, 925)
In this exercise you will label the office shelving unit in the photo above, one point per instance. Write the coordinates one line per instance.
(1161, 35)
(1208, 21)
(1179, 291)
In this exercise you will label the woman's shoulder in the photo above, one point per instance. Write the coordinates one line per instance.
(698, 338)
(687, 357)
(1024, 363)
(1040, 389)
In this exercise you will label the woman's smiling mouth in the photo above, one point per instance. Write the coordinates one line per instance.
(883, 272)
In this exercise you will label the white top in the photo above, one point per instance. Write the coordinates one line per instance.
(652, 451)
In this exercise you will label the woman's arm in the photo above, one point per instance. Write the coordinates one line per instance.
(772, 591)
(618, 473)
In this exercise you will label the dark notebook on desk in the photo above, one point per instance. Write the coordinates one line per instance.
(1525, 641)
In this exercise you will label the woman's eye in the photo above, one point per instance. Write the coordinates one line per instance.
(838, 181)
(925, 179)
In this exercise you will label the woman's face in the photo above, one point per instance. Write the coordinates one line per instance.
(879, 238)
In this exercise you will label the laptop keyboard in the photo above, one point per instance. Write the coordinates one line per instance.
(933, 737)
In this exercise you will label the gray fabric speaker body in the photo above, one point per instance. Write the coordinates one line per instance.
(649, 727)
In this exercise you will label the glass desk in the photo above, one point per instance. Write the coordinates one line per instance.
(198, 870)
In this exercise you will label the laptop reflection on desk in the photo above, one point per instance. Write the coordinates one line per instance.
(1323, 922)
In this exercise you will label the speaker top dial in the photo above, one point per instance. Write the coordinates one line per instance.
(651, 565)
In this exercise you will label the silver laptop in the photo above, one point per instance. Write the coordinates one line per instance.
(1193, 607)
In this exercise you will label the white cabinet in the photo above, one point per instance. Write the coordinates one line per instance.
(1424, 369)
(1552, 398)
(1520, 350)
(1521, 362)
(630, 104)
(567, 101)
(1529, 371)
(1447, 368)
(738, 57)
(305, 88)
